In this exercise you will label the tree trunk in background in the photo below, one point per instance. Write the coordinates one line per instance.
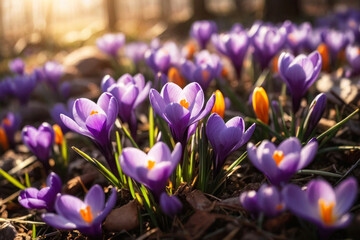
(200, 10)
(280, 10)
(111, 15)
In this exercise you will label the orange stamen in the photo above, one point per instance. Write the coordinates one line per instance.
(58, 134)
(86, 214)
(175, 77)
(184, 103)
(93, 112)
(260, 104)
(219, 106)
(3, 139)
(151, 164)
(279, 207)
(326, 211)
(205, 75)
(278, 156)
(6, 122)
(224, 72)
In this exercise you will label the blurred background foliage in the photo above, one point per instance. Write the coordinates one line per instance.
(55, 25)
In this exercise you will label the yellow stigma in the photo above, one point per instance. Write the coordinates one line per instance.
(326, 211)
(86, 214)
(175, 77)
(3, 139)
(151, 164)
(260, 104)
(184, 103)
(93, 112)
(219, 106)
(58, 134)
(278, 156)
(325, 56)
(6, 122)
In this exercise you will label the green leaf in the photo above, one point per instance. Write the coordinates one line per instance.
(101, 168)
(15, 182)
(337, 126)
(151, 127)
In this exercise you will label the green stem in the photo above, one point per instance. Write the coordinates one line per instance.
(318, 172)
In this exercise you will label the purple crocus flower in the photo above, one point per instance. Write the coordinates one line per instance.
(205, 68)
(152, 169)
(181, 108)
(202, 31)
(336, 41)
(267, 42)
(321, 204)
(316, 110)
(136, 51)
(170, 205)
(95, 120)
(22, 86)
(297, 36)
(11, 123)
(227, 137)
(353, 57)
(33, 198)
(280, 163)
(314, 38)
(161, 59)
(129, 92)
(299, 74)
(85, 216)
(17, 66)
(60, 108)
(111, 43)
(52, 73)
(267, 200)
(234, 45)
(39, 141)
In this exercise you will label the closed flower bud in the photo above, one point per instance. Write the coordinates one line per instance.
(219, 106)
(260, 104)
(58, 134)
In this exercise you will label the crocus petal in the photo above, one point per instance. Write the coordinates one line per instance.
(157, 103)
(160, 151)
(110, 106)
(142, 95)
(320, 189)
(106, 82)
(290, 145)
(209, 105)
(246, 136)
(297, 201)
(96, 124)
(69, 207)
(73, 126)
(95, 198)
(345, 196)
(57, 221)
(108, 206)
(171, 93)
(307, 154)
(82, 109)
